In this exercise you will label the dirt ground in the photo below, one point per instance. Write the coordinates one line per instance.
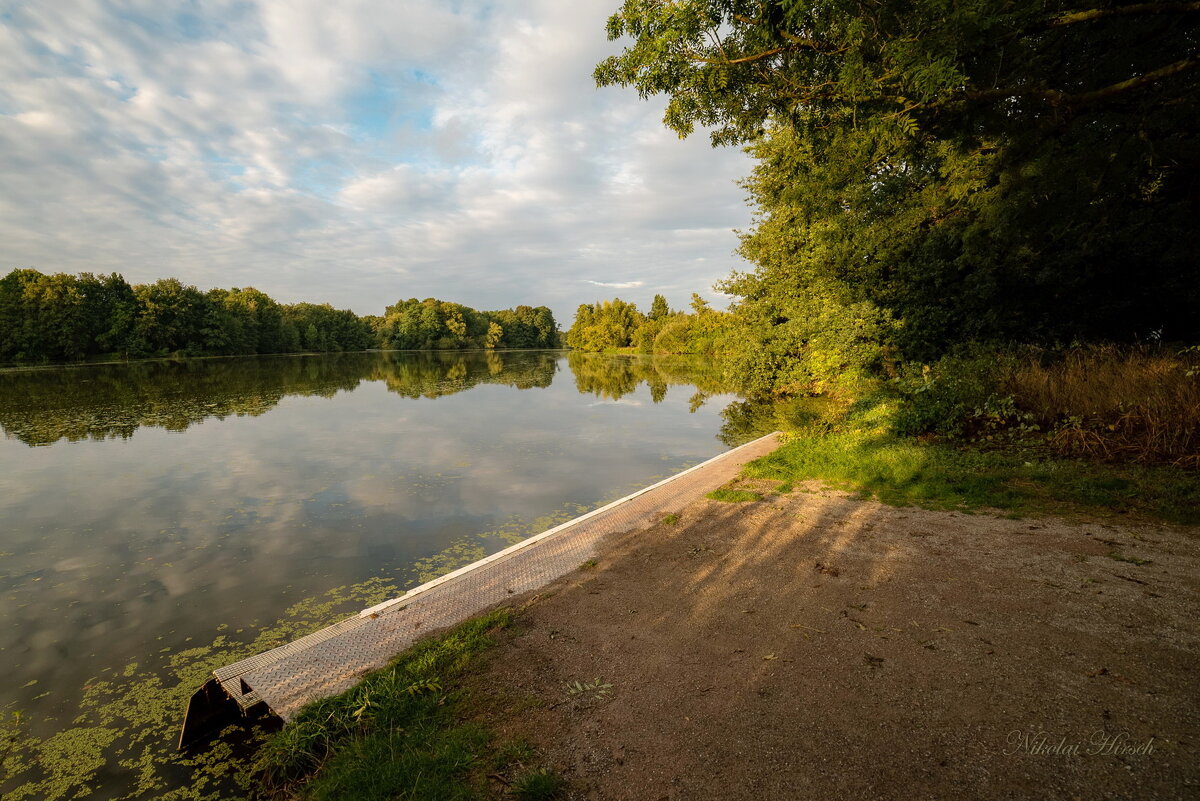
(814, 645)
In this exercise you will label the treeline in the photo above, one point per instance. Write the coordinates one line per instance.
(613, 325)
(439, 325)
(62, 318)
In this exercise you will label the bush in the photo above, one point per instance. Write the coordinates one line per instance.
(1131, 404)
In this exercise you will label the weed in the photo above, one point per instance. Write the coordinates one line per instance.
(593, 690)
(589, 565)
(670, 519)
(540, 785)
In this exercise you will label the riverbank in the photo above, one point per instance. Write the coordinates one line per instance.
(814, 644)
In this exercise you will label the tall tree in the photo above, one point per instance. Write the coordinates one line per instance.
(659, 308)
(932, 172)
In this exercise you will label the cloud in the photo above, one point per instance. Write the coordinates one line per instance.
(619, 284)
(351, 151)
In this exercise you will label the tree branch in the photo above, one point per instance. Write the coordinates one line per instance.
(742, 60)
(1059, 98)
(1123, 11)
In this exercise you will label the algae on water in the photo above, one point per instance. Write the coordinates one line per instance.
(121, 742)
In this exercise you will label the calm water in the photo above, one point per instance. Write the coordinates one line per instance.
(145, 507)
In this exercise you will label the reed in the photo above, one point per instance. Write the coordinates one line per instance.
(1128, 404)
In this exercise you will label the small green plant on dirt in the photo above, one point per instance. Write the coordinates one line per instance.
(1133, 560)
(594, 690)
(540, 785)
(589, 565)
(733, 496)
(670, 519)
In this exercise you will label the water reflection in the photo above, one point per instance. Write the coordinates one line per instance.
(149, 508)
(168, 498)
(40, 407)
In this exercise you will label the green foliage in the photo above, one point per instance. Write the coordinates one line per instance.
(324, 328)
(62, 317)
(540, 785)
(396, 734)
(433, 324)
(805, 340)
(615, 324)
(56, 318)
(659, 308)
(931, 174)
(604, 326)
(950, 397)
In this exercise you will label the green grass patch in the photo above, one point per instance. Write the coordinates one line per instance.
(904, 471)
(670, 519)
(541, 785)
(733, 495)
(403, 732)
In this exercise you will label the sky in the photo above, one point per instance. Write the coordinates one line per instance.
(354, 152)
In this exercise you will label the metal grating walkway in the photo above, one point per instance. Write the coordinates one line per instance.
(333, 659)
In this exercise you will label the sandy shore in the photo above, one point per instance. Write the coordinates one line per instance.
(817, 646)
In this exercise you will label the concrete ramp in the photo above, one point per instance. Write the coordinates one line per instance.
(333, 659)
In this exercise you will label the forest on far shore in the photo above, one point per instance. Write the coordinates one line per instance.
(62, 318)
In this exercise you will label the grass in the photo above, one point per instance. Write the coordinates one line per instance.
(905, 471)
(402, 733)
(733, 495)
(540, 785)
(1127, 404)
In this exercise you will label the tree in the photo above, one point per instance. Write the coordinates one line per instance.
(659, 308)
(495, 335)
(930, 173)
(606, 325)
(171, 318)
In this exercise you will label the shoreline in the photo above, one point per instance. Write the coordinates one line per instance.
(17, 367)
(328, 662)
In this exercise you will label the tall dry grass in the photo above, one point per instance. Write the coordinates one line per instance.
(1134, 404)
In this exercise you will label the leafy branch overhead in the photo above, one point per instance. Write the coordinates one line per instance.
(734, 65)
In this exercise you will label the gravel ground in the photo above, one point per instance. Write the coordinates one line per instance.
(814, 645)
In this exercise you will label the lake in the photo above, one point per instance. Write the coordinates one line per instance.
(155, 507)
